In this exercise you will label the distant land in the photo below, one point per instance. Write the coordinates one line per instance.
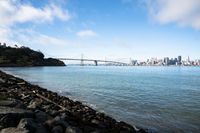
(24, 56)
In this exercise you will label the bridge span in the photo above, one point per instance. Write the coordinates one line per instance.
(93, 60)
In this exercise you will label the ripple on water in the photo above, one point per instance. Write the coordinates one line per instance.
(163, 99)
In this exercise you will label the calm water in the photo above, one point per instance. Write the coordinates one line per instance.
(163, 99)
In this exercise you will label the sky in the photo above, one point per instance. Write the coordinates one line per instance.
(99, 29)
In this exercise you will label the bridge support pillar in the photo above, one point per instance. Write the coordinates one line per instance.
(95, 62)
(82, 64)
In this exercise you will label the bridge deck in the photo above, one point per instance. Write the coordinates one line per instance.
(92, 60)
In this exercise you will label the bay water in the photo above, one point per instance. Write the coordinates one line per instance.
(161, 99)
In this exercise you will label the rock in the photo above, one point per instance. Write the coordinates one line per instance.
(98, 123)
(96, 131)
(7, 103)
(71, 129)
(77, 115)
(10, 117)
(13, 130)
(56, 121)
(34, 103)
(2, 80)
(53, 113)
(31, 125)
(12, 103)
(124, 127)
(95, 121)
(13, 79)
(141, 131)
(41, 116)
(21, 83)
(91, 129)
(24, 96)
(57, 129)
(28, 123)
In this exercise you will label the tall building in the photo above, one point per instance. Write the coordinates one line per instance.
(153, 61)
(134, 62)
(179, 60)
(188, 59)
(166, 60)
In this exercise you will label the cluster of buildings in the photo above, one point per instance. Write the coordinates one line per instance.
(166, 62)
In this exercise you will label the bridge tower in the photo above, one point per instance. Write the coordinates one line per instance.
(82, 63)
(95, 62)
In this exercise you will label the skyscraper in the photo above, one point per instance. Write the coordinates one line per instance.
(188, 59)
(166, 60)
(179, 60)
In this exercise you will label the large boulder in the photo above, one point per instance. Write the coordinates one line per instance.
(57, 129)
(31, 125)
(13, 130)
(57, 121)
(12, 103)
(10, 117)
(42, 116)
(71, 129)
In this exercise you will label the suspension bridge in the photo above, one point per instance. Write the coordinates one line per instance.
(83, 59)
(95, 61)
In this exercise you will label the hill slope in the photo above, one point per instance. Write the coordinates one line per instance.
(24, 56)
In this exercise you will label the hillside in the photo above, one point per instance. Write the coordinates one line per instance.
(24, 56)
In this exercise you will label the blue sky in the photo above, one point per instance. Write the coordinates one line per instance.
(112, 29)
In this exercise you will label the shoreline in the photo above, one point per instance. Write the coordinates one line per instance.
(35, 109)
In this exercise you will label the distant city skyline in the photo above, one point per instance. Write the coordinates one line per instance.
(138, 29)
(167, 61)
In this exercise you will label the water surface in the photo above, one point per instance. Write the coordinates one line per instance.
(163, 99)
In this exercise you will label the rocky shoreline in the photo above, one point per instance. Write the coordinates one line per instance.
(27, 108)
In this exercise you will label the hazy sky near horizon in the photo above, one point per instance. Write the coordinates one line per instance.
(112, 29)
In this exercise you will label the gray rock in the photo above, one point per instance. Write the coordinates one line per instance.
(10, 117)
(95, 121)
(2, 80)
(13, 130)
(92, 129)
(96, 131)
(56, 121)
(12, 103)
(9, 110)
(34, 103)
(41, 116)
(28, 123)
(71, 129)
(57, 129)
(21, 83)
(126, 127)
(31, 125)
(7, 103)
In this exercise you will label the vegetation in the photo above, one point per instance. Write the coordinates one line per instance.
(25, 56)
